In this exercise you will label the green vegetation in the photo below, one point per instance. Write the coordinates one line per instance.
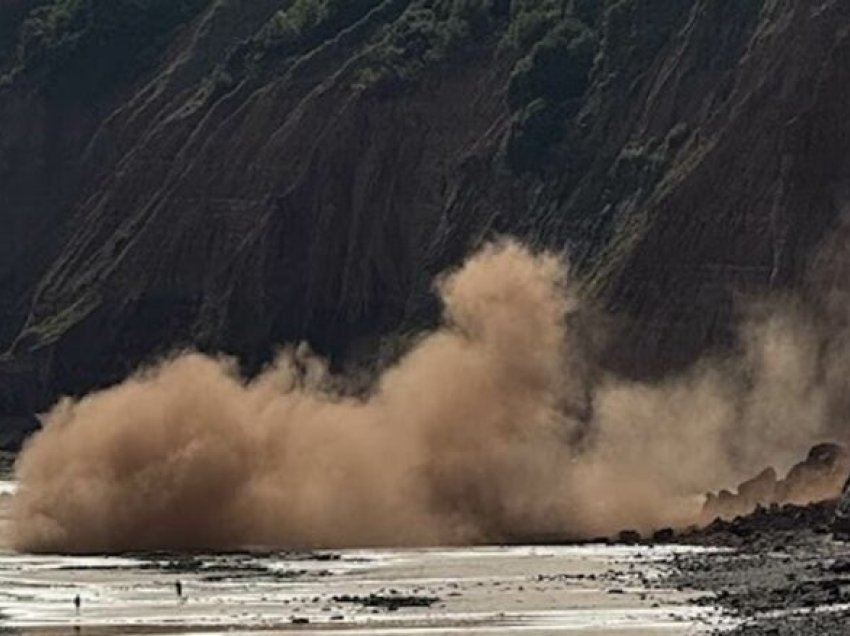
(80, 47)
(302, 26)
(12, 14)
(307, 23)
(549, 82)
(428, 33)
(83, 47)
(555, 40)
(530, 20)
(557, 68)
(566, 43)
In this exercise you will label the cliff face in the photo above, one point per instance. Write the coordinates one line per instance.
(262, 171)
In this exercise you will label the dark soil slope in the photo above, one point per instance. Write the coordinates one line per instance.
(233, 174)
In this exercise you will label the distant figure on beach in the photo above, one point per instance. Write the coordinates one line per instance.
(77, 602)
(178, 587)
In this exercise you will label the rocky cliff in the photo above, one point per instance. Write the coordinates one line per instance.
(233, 174)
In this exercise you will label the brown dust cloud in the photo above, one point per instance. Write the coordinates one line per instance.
(487, 430)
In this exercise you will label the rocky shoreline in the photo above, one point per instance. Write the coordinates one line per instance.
(783, 573)
(782, 569)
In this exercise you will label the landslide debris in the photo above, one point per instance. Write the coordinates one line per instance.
(818, 477)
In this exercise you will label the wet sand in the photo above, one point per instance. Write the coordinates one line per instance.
(529, 590)
(533, 590)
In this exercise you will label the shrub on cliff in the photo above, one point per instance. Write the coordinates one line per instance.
(307, 23)
(84, 46)
(557, 68)
(428, 33)
(545, 91)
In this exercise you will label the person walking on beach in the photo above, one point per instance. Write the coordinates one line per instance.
(178, 587)
(77, 603)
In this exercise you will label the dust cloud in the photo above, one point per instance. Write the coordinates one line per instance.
(489, 429)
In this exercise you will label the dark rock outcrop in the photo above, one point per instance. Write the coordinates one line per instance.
(817, 478)
(841, 524)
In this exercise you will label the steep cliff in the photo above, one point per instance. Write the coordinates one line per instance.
(234, 174)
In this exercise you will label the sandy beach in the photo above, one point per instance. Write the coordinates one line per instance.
(495, 590)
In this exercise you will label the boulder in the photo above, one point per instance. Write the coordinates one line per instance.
(629, 537)
(761, 489)
(841, 524)
(817, 478)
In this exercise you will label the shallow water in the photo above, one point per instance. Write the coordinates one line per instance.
(529, 590)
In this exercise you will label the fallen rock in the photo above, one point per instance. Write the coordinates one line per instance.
(817, 478)
(820, 476)
(763, 525)
(841, 524)
(391, 602)
(629, 537)
(760, 490)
